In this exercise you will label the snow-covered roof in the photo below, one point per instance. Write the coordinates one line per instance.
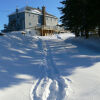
(31, 10)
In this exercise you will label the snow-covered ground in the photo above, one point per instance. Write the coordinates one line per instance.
(58, 67)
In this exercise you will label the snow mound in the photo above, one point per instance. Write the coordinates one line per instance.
(61, 36)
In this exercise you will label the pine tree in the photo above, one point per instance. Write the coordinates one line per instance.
(97, 14)
(72, 15)
(81, 15)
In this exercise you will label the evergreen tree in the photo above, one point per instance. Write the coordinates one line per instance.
(97, 14)
(81, 15)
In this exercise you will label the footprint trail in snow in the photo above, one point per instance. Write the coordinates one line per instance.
(52, 86)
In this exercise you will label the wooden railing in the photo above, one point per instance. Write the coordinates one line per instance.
(55, 28)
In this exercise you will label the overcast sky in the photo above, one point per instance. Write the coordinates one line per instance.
(9, 6)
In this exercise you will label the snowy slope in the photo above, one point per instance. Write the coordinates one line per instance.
(59, 67)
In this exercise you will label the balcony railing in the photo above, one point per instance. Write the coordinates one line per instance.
(55, 28)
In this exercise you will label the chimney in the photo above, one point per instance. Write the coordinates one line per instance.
(43, 18)
(16, 10)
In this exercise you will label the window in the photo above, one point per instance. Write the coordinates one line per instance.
(51, 19)
(29, 23)
(40, 19)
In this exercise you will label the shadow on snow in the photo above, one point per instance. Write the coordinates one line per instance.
(24, 56)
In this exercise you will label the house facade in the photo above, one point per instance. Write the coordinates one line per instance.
(29, 18)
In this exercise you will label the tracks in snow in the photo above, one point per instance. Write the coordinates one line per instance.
(51, 86)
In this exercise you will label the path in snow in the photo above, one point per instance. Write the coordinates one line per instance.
(52, 86)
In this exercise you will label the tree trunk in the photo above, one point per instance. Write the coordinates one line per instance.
(99, 31)
(82, 33)
(87, 33)
(76, 33)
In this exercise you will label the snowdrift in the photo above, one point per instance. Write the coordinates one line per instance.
(58, 67)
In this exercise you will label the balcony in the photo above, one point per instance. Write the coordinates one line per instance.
(49, 30)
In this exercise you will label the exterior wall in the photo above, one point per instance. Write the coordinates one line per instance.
(51, 21)
(19, 20)
(12, 17)
(27, 20)
(33, 32)
(31, 20)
